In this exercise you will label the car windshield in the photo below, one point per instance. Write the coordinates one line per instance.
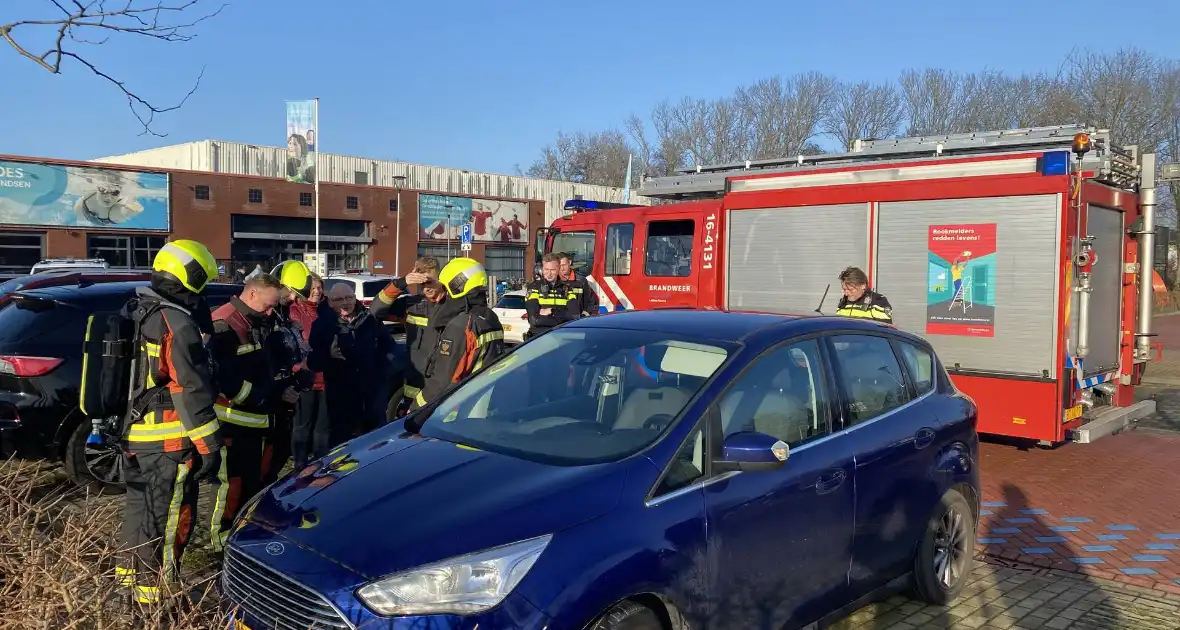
(511, 301)
(578, 396)
(372, 287)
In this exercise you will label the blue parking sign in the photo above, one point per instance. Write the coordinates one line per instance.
(466, 234)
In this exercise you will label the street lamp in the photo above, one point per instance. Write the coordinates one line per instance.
(398, 182)
(449, 205)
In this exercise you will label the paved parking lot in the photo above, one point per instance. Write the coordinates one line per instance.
(1003, 598)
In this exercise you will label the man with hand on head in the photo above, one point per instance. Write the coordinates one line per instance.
(415, 309)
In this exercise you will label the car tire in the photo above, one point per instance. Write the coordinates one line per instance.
(628, 615)
(945, 554)
(79, 472)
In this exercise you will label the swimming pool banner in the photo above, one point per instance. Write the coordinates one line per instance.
(54, 195)
(961, 279)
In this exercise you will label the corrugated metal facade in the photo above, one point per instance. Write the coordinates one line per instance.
(247, 159)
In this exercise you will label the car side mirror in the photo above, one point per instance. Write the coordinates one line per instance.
(750, 451)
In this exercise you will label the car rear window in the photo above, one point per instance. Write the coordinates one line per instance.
(328, 284)
(511, 301)
(373, 287)
(25, 318)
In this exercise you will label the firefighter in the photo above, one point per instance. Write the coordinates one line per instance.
(289, 356)
(587, 299)
(171, 436)
(550, 301)
(861, 301)
(468, 331)
(415, 310)
(248, 395)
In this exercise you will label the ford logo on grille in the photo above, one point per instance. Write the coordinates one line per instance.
(275, 548)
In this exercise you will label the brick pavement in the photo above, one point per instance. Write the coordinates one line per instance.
(1109, 509)
(1004, 598)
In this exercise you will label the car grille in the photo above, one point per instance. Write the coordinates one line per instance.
(274, 599)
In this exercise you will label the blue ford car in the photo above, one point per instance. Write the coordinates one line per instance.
(650, 469)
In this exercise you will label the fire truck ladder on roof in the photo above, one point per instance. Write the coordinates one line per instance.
(1116, 163)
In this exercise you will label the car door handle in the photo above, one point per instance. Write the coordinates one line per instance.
(923, 438)
(829, 481)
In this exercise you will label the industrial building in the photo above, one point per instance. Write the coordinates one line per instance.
(375, 215)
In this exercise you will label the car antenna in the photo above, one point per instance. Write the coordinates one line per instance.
(820, 309)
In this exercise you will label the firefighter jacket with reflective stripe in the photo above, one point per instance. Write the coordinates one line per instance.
(415, 310)
(587, 299)
(246, 376)
(469, 336)
(175, 412)
(871, 305)
(559, 297)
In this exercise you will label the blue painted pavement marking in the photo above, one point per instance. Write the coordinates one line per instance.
(994, 504)
(1077, 519)
(1063, 528)
(1004, 530)
(1033, 511)
(986, 512)
(1036, 551)
(1138, 571)
(1160, 546)
(1121, 528)
(992, 541)
(1111, 537)
(1095, 548)
(1015, 521)
(1149, 557)
(1168, 536)
(1086, 560)
(1050, 539)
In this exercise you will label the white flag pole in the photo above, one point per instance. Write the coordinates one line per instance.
(316, 123)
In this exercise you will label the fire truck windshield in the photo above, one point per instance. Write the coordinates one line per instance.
(580, 247)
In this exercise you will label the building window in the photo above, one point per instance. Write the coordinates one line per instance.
(19, 251)
(125, 252)
(305, 199)
(201, 191)
(352, 203)
(505, 263)
(618, 249)
(393, 205)
(255, 195)
(360, 178)
(669, 248)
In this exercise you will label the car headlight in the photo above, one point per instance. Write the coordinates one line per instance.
(464, 585)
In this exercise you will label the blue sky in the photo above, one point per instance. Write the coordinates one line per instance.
(483, 85)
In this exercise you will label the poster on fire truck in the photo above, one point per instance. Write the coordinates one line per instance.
(961, 282)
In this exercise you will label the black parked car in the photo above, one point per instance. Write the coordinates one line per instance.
(41, 332)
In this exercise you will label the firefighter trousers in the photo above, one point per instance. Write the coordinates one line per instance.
(238, 480)
(160, 509)
(277, 446)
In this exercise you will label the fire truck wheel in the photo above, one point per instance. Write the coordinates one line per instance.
(945, 553)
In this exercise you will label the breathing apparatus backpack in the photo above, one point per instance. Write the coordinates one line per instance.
(108, 361)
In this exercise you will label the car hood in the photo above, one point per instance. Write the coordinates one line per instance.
(390, 501)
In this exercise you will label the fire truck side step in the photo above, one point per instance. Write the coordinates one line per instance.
(1112, 420)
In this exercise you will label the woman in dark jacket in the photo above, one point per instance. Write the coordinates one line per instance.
(349, 346)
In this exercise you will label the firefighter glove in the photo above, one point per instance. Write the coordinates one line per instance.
(208, 465)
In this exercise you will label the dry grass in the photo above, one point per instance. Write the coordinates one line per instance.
(57, 556)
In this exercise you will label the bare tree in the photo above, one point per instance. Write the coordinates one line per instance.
(69, 26)
(587, 158)
(784, 115)
(862, 110)
(932, 100)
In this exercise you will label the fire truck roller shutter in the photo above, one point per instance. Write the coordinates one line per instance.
(1015, 285)
(780, 260)
(1106, 226)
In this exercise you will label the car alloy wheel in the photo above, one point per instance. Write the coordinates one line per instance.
(950, 548)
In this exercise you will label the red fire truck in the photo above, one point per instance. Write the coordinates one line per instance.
(1013, 252)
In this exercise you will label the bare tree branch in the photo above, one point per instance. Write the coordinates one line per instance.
(69, 23)
(862, 111)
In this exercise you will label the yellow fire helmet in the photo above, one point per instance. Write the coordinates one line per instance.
(188, 262)
(294, 275)
(462, 276)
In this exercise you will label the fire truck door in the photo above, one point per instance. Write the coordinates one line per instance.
(1106, 226)
(669, 266)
